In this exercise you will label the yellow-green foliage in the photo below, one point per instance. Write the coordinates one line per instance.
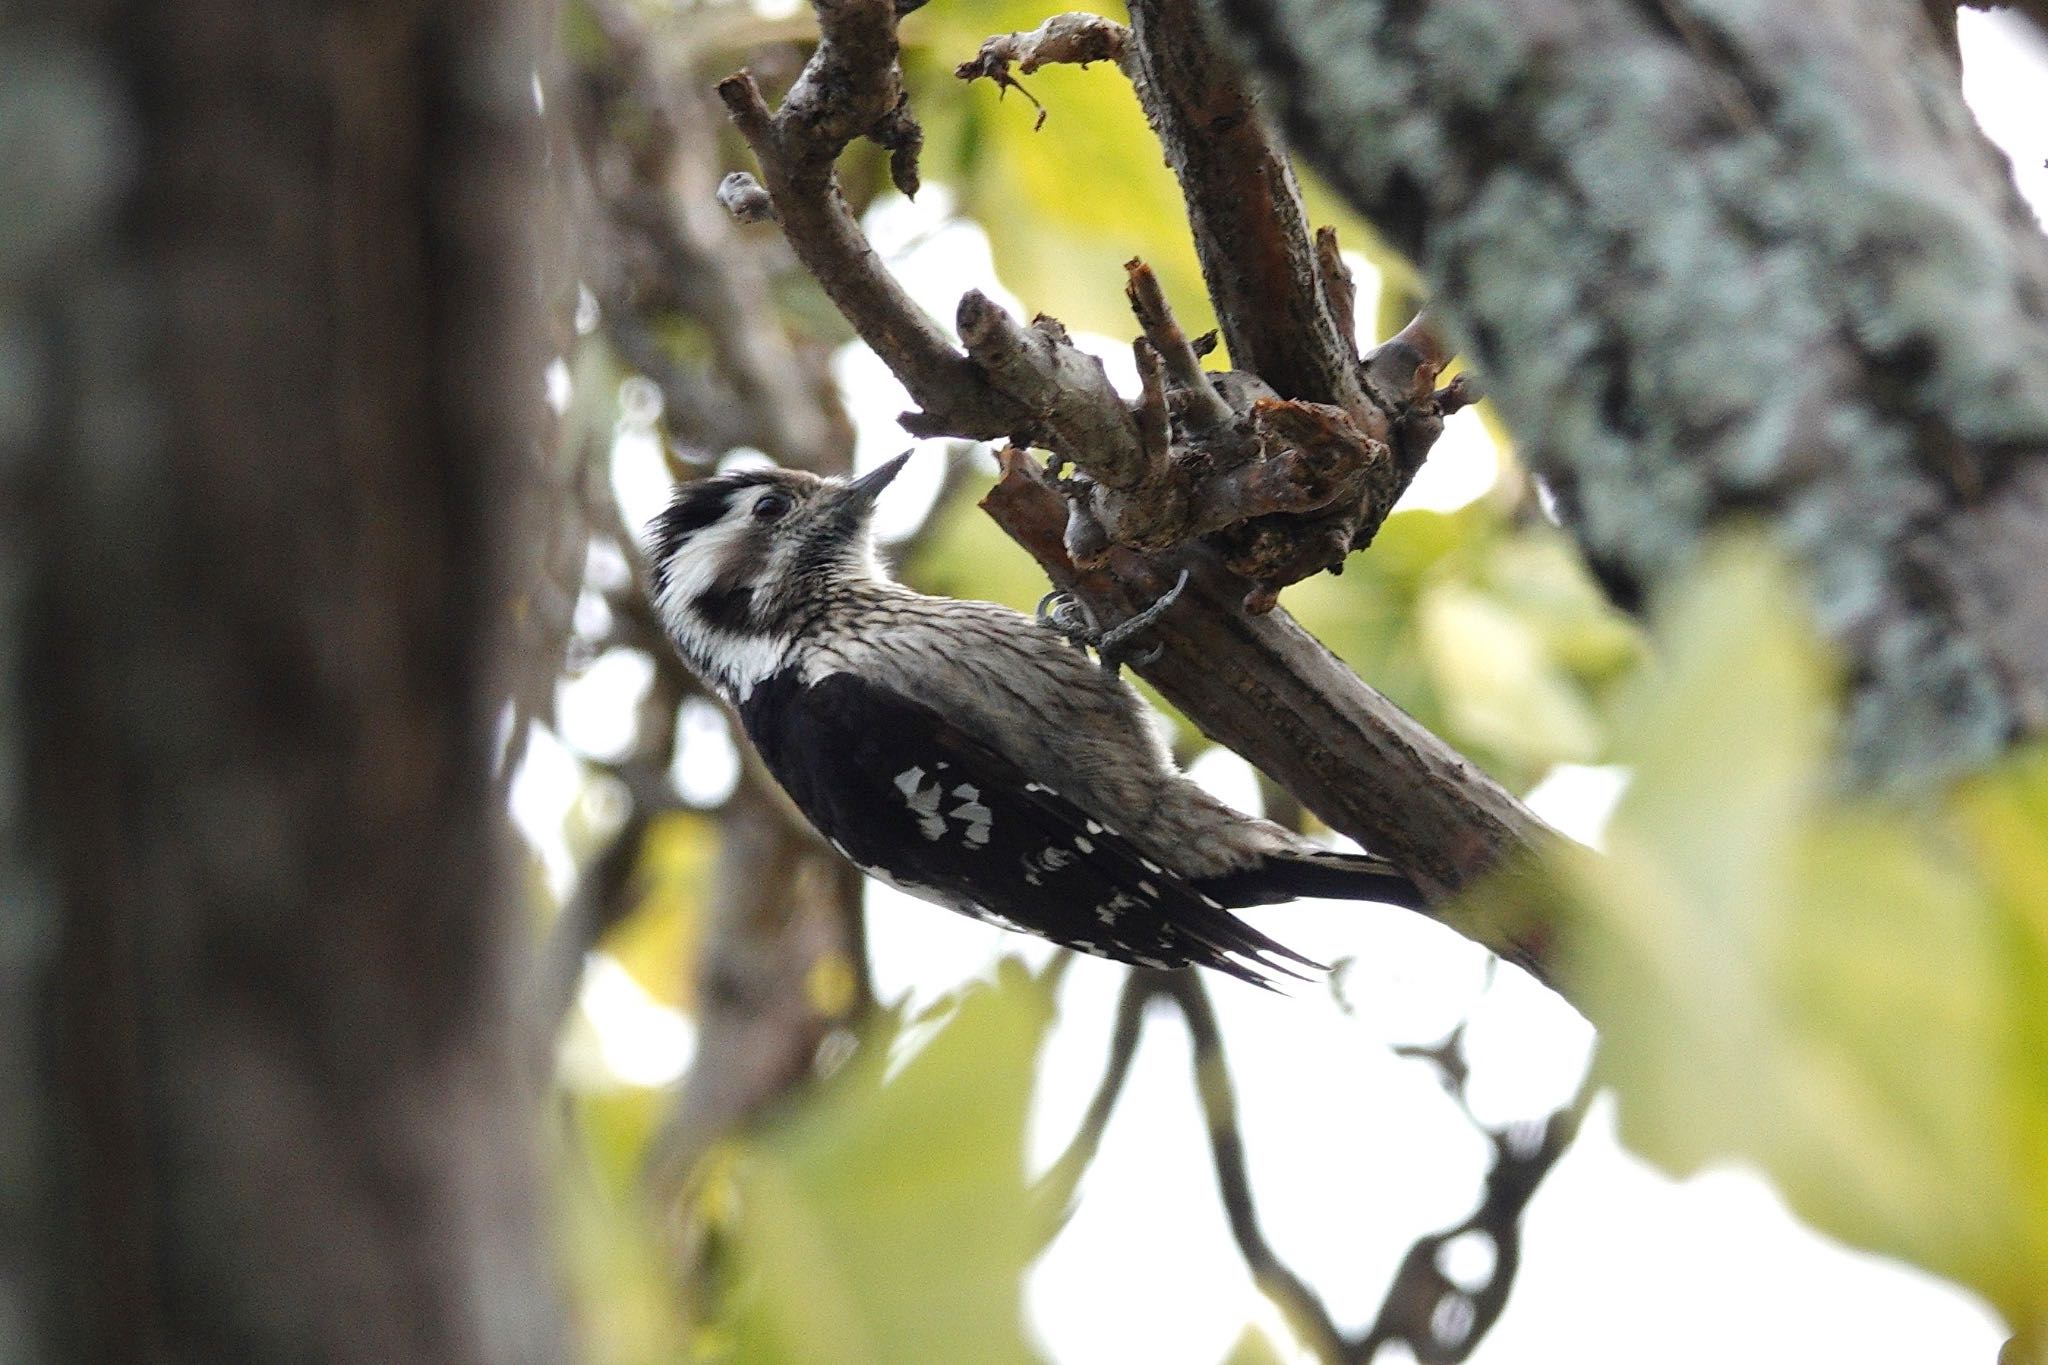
(889, 1219)
(1846, 993)
(658, 940)
(1067, 203)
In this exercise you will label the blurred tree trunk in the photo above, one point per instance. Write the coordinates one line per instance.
(269, 372)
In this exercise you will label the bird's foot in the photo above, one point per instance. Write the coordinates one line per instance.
(1075, 621)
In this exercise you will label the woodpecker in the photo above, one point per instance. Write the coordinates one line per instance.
(961, 751)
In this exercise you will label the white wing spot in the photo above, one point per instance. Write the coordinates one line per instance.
(1147, 887)
(1212, 902)
(1036, 787)
(1083, 844)
(1149, 865)
(1109, 909)
(1094, 828)
(923, 801)
(971, 810)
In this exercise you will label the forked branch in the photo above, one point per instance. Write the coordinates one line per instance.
(1249, 483)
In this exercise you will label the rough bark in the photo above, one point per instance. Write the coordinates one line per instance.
(1723, 262)
(270, 336)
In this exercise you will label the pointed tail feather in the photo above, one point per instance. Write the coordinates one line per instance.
(1339, 876)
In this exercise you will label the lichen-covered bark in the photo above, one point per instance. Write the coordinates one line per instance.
(1723, 260)
(268, 375)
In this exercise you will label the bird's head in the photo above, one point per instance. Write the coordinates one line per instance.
(742, 561)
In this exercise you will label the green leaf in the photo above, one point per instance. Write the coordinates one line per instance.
(1846, 992)
(1491, 635)
(889, 1219)
(1500, 682)
(618, 1271)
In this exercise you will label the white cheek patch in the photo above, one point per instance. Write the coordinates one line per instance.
(732, 662)
(695, 567)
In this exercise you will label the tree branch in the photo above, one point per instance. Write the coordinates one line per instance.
(1718, 270)
(1263, 271)
(1073, 404)
(1438, 1318)
(783, 932)
(1055, 1189)
(1303, 1308)
(647, 149)
(1327, 496)
(780, 901)
(1286, 312)
(853, 87)
(1267, 689)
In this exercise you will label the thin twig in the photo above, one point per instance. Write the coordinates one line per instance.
(1192, 398)
(1054, 1190)
(1303, 1308)
(1437, 1318)
(1070, 39)
(1340, 294)
(853, 87)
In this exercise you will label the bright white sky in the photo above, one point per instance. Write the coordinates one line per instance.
(1354, 1151)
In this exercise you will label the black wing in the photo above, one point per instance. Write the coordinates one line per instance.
(910, 796)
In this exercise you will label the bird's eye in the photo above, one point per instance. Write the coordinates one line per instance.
(772, 506)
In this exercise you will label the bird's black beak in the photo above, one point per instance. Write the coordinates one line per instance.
(860, 495)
